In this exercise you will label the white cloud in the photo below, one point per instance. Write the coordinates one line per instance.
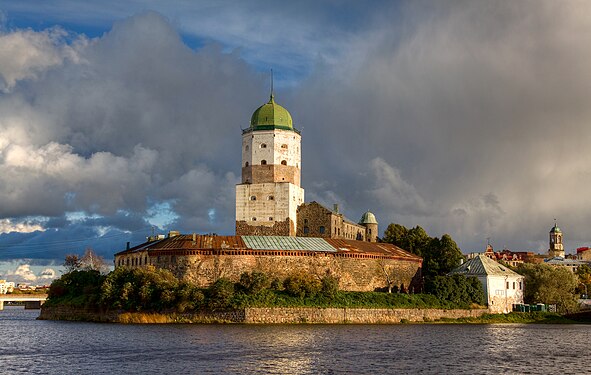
(8, 226)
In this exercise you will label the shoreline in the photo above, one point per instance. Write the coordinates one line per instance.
(302, 315)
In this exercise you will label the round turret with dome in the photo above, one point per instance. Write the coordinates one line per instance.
(368, 220)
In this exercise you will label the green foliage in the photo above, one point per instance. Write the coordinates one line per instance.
(329, 287)
(457, 289)
(220, 294)
(302, 285)
(81, 288)
(440, 256)
(254, 282)
(549, 285)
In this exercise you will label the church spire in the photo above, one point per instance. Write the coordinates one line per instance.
(272, 96)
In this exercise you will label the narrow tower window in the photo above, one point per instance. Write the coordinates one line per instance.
(246, 164)
(283, 162)
(246, 147)
(270, 197)
(263, 162)
(284, 146)
(263, 145)
(253, 197)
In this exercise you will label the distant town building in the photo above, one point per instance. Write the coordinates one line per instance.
(584, 253)
(502, 287)
(570, 264)
(512, 258)
(6, 286)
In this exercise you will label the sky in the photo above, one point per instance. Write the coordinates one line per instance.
(123, 118)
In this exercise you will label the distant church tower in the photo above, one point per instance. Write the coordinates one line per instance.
(556, 247)
(270, 192)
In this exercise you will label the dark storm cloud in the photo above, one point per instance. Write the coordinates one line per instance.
(469, 118)
(466, 117)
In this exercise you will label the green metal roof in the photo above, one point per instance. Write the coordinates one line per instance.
(270, 116)
(287, 243)
(555, 229)
(483, 266)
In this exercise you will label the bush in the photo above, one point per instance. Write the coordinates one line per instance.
(302, 285)
(457, 289)
(220, 294)
(330, 287)
(254, 282)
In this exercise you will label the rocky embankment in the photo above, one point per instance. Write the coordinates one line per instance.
(275, 315)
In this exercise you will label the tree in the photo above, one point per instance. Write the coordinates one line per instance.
(584, 277)
(549, 285)
(440, 256)
(90, 261)
(71, 263)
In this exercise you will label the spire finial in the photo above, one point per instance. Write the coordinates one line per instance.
(272, 96)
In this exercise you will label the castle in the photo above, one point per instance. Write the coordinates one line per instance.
(276, 231)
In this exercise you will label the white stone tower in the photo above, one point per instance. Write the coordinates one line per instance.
(556, 248)
(270, 192)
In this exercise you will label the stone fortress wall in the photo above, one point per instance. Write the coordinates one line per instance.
(356, 272)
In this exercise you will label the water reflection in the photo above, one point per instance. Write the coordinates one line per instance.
(69, 348)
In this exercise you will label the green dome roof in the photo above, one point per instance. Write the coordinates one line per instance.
(368, 218)
(555, 229)
(270, 116)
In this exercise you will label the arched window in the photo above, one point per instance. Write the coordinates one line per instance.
(253, 197)
(283, 162)
(270, 218)
(246, 164)
(263, 162)
(270, 197)
(246, 147)
(254, 219)
(263, 145)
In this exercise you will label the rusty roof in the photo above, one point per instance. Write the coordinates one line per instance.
(214, 242)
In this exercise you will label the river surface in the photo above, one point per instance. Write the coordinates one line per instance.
(29, 346)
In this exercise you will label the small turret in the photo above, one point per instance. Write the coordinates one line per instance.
(368, 220)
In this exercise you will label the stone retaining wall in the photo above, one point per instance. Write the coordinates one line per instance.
(275, 315)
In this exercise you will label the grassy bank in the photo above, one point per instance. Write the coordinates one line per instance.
(537, 317)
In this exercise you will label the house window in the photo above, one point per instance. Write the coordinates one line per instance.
(253, 198)
(283, 162)
(321, 229)
(263, 162)
(520, 285)
(306, 230)
(507, 285)
(514, 285)
(263, 145)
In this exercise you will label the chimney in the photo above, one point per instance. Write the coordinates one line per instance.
(127, 247)
(194, 239)
(335, 208)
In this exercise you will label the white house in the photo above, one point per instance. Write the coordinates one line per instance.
(502, 287)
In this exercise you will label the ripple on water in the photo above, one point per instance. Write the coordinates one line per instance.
(32, 346)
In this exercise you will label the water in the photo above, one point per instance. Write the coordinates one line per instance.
(45, 347)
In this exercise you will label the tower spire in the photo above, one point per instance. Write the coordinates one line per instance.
(272, 96)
